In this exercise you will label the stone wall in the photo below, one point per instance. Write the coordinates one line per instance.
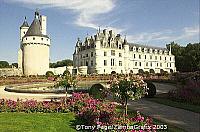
(10, 72)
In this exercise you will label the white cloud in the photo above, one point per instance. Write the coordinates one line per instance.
(87, 10)
(187, 33)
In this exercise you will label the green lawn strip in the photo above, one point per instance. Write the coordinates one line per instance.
(182, 105)
(171, 127)
(37, 122)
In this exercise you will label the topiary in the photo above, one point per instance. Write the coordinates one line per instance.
(97, 91)
(151, 92)
(49, 74)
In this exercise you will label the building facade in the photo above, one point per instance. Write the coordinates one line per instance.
(107, 52)
(33, 54)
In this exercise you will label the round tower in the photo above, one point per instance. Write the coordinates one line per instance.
(35, 47)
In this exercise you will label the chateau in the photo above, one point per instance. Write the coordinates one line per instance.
(33, 55)
(107, 52)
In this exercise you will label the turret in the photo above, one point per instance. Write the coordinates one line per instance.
(97, 42)
(126, 46)
(23, 29)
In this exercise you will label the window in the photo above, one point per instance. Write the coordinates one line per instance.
(91, 63)
(41, 38)
(170, 64)
(81, 63)
(160, 58)
(151, 64)
(26, 38)
(157, 64)
(91, 54)
(112, 62)
(145, 57)
(139, 56)
(135, 63)
(120, 63)
(104, 70)
(155, 57)
(120, 46)
(33, 38)
(134, 55)
(105, 63)
(167, 64)
(170, 58)
(24, 32)
(86, 63)
(165, 58)
(160, 64)
(105, 53)
(150, 56)
(140, 64)
(120, 54)
(86, 55)
(146, 63)
(113, 52)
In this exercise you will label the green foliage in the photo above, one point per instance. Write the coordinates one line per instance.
(151, 92)
(64, 83)
(97, 91)
(128, 88)
(4, 64)
(187, 59)
(66, 73)
(49, 74)
(62, 63)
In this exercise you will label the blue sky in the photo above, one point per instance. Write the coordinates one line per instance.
(149, 22)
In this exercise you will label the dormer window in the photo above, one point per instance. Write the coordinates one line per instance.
(33, 38)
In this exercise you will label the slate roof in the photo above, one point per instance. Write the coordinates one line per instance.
(35, 29)
(147, 46)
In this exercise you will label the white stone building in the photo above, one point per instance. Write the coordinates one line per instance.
(33, 55)
(106, 52)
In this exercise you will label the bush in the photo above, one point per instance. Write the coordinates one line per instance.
(151, 92)
(97, 91)
(49, 74)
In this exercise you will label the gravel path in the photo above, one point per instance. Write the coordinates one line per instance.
(187, 120)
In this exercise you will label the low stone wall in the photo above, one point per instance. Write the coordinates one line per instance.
(10, 72)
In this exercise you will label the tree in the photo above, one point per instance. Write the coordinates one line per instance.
(187, 59)
(62, 63)
(4, 64)
(15, 65)
(128, 88)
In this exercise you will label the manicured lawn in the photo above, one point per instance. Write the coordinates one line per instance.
(36, 122)
(182, 105)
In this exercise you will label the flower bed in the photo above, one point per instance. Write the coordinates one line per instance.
(189, 93)
(90, 111)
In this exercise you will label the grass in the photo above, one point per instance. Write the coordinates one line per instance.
(36, 122)
(161, 99)
(170, 127)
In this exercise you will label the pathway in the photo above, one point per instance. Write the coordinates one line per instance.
(187, 120)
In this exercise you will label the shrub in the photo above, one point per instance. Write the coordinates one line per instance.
(97, 91)
(49, 74)
(151, 92)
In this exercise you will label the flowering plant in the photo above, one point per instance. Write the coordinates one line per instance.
(130, 87)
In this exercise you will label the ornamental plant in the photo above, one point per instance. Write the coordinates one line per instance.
(128, 87)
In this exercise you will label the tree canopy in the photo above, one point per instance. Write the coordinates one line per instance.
(187, 58)
(62, 63)
(4, 64)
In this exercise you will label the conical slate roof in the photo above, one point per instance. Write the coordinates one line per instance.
(35, 29)
(25, 23)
